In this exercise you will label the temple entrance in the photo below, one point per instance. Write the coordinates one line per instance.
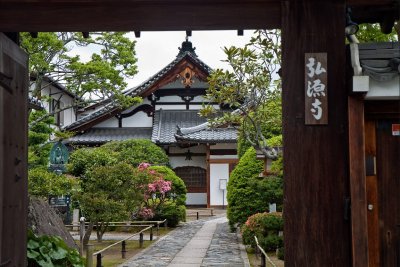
(383, 191)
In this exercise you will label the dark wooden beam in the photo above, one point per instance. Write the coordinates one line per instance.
(13, 155)
(316, 182)
(138, 15)
(358, 191)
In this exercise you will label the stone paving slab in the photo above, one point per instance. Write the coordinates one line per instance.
(163, 252)
(203, 243)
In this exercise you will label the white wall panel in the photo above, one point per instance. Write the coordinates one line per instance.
(196, 199)
(140, 119)
(112, 122)
(217, 172)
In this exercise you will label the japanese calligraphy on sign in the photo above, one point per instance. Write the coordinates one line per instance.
(316, 94)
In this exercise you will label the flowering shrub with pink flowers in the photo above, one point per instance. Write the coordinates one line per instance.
(158, 202)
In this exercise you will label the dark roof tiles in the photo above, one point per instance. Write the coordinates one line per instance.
(103, 135)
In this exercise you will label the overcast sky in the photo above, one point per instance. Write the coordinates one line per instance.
(155, 50)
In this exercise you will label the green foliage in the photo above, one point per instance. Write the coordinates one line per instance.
(372, 33)
(173, 212)
(266, 226)
(133, 152)
(137, 151)
(248, 193)
(82, 160)
(110, 193)
(242, 200)
(178, 186)
(43, 183)
(51, 251)
(38, 135)
(94, 79)
(277, 166)
(251, 90)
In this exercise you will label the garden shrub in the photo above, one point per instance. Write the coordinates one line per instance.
(82, 160)
(243, 195)
(43, 183)
(136, 151)
(171, 211)
(178, 186)
(51, 251)
(266, 226)
(248, 193)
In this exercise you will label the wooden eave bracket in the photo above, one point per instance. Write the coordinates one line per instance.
(360, 82)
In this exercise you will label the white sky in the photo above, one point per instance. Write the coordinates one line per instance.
(154, 50)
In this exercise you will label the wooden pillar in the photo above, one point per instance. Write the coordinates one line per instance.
(13, 153)
(358, 190)
(316, 183)
(208, 174)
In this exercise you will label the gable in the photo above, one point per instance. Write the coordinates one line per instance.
(185, 69)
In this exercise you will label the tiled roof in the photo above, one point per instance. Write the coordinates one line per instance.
(137, 91)
(172, 126)
(210, 135)
(381, 60)
(35, 103)
(166, 122)
(103, 135)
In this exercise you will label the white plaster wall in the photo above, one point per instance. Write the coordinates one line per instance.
(193, 149)
(223, 157)
(171, 98)
(197, 161)
(384, 90)
(224, 146)
(200, 99)
(110, 123)
(218, 171)
(69, 114)
(170, 107)
(178, 84)
(140, 119)
(196, 199)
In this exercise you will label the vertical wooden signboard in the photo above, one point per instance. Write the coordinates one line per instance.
(316, 88)
(13, 153)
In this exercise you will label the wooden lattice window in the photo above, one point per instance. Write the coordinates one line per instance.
(193, 177)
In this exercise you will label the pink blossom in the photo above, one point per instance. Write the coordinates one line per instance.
(144, 165)
(146, 213)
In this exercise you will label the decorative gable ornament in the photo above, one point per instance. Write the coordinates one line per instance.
(186, 77)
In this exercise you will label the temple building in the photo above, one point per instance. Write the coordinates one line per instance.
(169, 116)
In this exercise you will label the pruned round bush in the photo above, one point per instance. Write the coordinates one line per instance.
(266, 226)
(243, 196)
(171, 211)
(43, 183)
(82, 160)
(178, 186)
(136, 151)
(248, 193)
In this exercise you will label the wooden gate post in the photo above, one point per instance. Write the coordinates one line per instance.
(13, 153)
(315, 169)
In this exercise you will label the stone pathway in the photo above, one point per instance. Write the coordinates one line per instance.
(199, 243)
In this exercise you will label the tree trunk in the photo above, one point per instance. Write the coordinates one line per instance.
(88, 232)
(100, 230)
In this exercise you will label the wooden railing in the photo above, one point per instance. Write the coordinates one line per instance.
(89, 248)
(90, 254)
(196, 212)
(264, 256)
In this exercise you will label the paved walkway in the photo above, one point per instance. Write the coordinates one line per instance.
(201, 243)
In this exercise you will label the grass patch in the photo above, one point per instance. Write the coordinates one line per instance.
(113, 256)
(255, 260)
